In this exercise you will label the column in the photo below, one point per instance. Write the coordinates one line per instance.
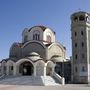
(34, 70)
(7, 70)
(53, 68)
(45, 69)
(14, 69)
(63, 81)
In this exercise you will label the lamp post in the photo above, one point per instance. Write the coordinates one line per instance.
(63, 68)
(63, 79)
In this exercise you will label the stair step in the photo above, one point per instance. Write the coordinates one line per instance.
(30, 80)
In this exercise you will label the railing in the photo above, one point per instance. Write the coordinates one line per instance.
(2, 76)
(59, 78)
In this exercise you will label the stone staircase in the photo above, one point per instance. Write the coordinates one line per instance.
(30, 80)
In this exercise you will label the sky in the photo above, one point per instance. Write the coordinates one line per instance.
(15, 15)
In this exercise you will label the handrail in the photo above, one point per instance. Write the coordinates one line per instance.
(59, 78)
(2, 76)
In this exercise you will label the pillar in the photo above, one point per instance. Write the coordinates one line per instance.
(63, 81)
(45, 69)
(53, 68)
(14, 69)
(7, 69)
(34, 70)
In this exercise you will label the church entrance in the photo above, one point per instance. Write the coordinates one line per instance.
(26, 68)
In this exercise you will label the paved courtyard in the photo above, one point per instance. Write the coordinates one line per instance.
(26, 87)
(37, 83)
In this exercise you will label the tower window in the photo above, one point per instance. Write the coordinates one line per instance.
(81, 18)
(83, 69)
(75, 33)
(75, 19)
(82, 33)
(83, 56)
(76, 69)
(82, 44)
(75, 44)
(76, 56)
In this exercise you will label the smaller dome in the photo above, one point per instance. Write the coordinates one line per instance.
(33, 54)
(57, 59)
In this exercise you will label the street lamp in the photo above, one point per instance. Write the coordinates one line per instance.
(63, 79)
(63, 68)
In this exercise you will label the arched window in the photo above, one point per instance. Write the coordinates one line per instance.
(83, 69)
(36, 35)
(75, 34)
(48, 38)
(76, 56)
(75, 45)
(82, 44)
(75, 18)
(82, 33)
(81, 18)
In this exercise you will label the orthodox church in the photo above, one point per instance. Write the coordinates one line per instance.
(40, 55)
(36, 55)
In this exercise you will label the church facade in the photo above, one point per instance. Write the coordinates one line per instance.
(36, 55)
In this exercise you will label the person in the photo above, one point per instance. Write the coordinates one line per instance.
(25, 70)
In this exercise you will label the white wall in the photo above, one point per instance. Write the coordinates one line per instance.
(49, 32)
(43, 34)
(30, 34)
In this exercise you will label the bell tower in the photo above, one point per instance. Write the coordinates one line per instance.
(80, 32)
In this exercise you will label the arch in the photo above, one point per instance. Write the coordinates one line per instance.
(56, 49)
(40, 61)
(3, 66)
(34, 42)
(58, 44)
(34, 46)
(10, 67)
(82, 18)
(10, 61)
(75, 18)
(3, 62)
(40, 68)
(25, 67)
(50, 68)
(23, 60)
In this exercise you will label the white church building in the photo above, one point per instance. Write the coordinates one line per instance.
(36, 55)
